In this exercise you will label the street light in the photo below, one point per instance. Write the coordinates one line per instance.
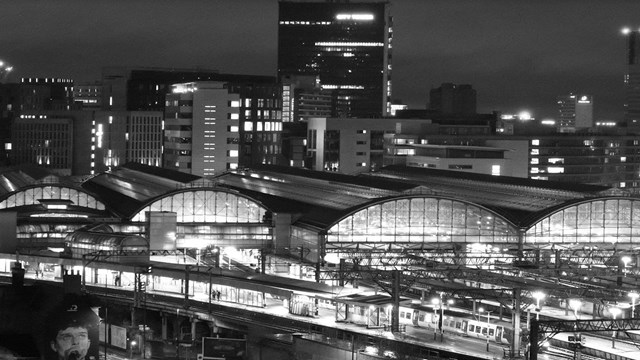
(633, 295)
(614, 312)
(488, 324)
(538, 295)
(575, 305)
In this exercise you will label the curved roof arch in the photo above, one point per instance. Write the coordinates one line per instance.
(50, 193)
(604, 222)
(420, 220)
(205, 204)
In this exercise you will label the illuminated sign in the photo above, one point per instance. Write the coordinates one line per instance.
(584, 100)
(357, 17)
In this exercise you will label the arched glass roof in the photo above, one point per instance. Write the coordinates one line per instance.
(604, 222)
(422, 220)
(33, 195)
(206, 205)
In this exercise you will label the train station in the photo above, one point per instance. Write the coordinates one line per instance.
(496, 267)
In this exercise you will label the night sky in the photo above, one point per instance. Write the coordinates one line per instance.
(517, 54)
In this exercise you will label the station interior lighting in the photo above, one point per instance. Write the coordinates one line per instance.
(633, 295)
(575, 304)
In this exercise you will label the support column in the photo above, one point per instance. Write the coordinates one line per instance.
(186, 286)
(516, 322)
(395, 310)
(533, 340)
(163, 319)
(194, 321)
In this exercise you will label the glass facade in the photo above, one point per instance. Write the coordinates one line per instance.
(614, 221)
(422, 220)
(207, 206)
(348, 45)
(33, 196)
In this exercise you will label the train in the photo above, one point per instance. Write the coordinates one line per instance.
(456, 322)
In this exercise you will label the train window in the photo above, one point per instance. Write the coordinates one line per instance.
(408, 315)
(458, 325)
(471, 327)
(401, 314)
(421, 317)
(479, 329)
(491, 332)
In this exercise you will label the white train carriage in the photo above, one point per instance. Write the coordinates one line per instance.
(463, 324)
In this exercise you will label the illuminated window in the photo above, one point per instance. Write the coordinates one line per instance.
(233, 153)
(535, 142)
(623, 184)
(556, 161)
(234, 128)
(535, 170)
(555, 169)
(535, 152)
(235, 103)
(234, 116)
(495, 170)
(534, 161)
(259, 126)
(248, 126)
(623, 159)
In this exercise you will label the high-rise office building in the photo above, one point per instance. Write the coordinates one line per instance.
(575, 112)
(453, 99)
(632, 80)
(346, 44)
(202, 129)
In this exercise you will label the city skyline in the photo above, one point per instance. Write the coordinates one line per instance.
(517, 55)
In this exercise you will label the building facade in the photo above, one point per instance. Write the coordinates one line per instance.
(575, 112)
(346, 44)
(453, 99)
(632, 80)
(202, 129)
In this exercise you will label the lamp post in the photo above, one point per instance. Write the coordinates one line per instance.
(538, 295)
(436, 301)
(488, 325)
(633, 295)
(133, 343)
(440, 302)
(614, 312)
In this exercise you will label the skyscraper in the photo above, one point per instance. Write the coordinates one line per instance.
(575, 112)
(346, 44)
(632, 80)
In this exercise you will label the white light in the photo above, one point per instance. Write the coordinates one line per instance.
(626, 31)
(360, 17)
(524, 115)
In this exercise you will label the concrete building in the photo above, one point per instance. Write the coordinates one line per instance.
(89, 95)
(145, 89)
(346, 44)
(46, 94)
(80, 142)
(632, 80)
(575, 112)
(202, 129)
(453, 99)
